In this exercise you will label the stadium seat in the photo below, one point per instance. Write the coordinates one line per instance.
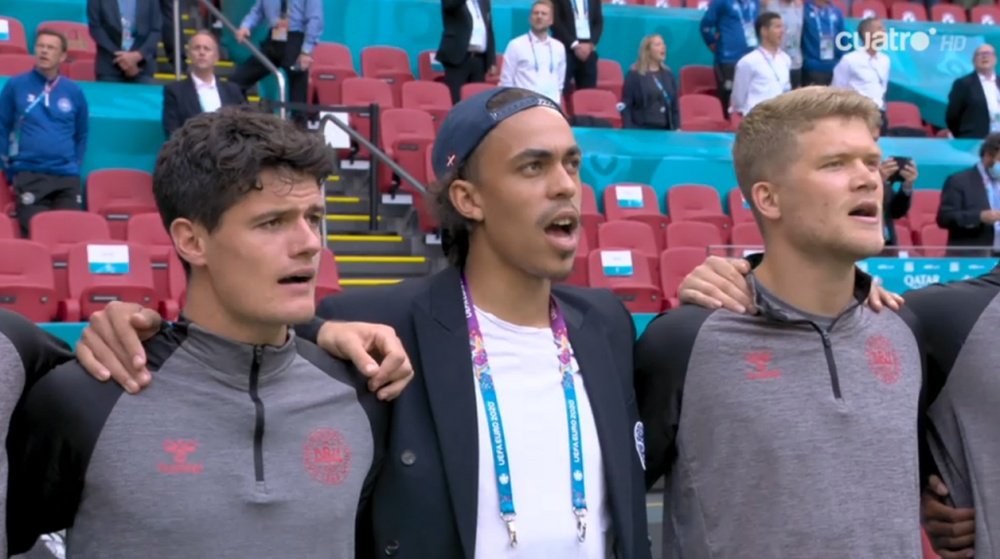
(948, 13)
(739, 209)
(624, 201)
(494, 79)
(332, 64)
(81, 70)
(406, 136)
(675, 265)
(696, 4)
(389, 64)
(702, 113)
(923, 210)
(904, 115)
(15, 42)
(746, 236)
(597, 103)
(61, 230)
(610, 77)
(425, 67)
(147, 230)
(118, 194)
(328, 280)
(692, 234)
(631, 235)
(81, 45)
(90, 292)
(362, 92)
(635, 289)
(6, 196)
(470, 89)
(984, 15)
(590, 216)
(9, 228)
(698, 202)
(697, 79)
(333, 54)
(933, 241)
(432, 97)
(13, 64)
(908, 11)
(27, 286)
(869, 8)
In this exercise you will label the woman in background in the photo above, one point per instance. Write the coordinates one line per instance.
(650, 93)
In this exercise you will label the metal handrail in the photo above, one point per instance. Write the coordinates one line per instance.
(207, 4)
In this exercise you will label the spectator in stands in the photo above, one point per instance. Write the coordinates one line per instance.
(578, 25)
(821, 24)
(295, 26)
(536, 61)
(167, 17)
(467, 49)
(127, 33)
(202, 91)
(791, 16)
(649, 97)
(765, 72)
(866, 69)
(896, 201)
(974, 101)
(43, 132)
(728, 28)
(715, 419)
(970, 203)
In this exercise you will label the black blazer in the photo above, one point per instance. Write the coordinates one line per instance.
(645, 105)
(963, 198)
(454, 47)
(564, 22)
(424, 502)
(967, 114)
(105, 22)
(180, 101)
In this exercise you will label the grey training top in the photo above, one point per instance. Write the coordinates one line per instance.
(780, 437)
(234, 451)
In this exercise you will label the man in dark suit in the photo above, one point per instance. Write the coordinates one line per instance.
(578, 25)
(467, 49)
(974, 101)
(970, 202)
(202, 91)
(127, 33)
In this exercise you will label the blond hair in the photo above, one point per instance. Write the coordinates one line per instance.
(767, 140)
(552, 7)
(645, 56)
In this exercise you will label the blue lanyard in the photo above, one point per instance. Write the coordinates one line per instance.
(43, 95)
(739, 8)
(586, 7)
(832, 18)
(663, 91)
(501, 458)
(552, 68)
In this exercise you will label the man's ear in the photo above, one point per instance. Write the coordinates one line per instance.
(465, 198)
(189, 241)
(765, 197)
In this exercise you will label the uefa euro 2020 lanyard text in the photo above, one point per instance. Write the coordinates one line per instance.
(501, 458)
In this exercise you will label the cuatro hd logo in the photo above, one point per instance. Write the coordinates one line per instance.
(901, 41)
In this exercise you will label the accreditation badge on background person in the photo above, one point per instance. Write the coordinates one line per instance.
(582, 27)
(750, 34)
(826, 47)
(279, 32)
(128, 40)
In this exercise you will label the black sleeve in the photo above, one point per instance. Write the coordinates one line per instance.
(956, 106)
(491, 48)
(631, 99)
(952, 213)
(899, 203)
(39, 351)
(662, 355)
(563, 27)
(310, 330)
(596, 21)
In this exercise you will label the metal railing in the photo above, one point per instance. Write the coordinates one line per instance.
(254, 51)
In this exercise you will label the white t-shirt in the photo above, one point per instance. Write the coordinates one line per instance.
(525, 370)
(539, 66)
(759, 77)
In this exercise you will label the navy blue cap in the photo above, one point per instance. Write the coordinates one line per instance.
(470, 121)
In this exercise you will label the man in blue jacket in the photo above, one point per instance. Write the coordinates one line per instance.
(728, 30)
(823, 21)
(43, 132)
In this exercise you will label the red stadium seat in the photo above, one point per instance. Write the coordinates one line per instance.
(81, 70)
(984, 15)
(610, 77)
(923, 210)
(90, 292)
(902, 114)
(15, 42)
(698, 202)
(333, 54)
(14, 64)
(118, 194)
(739, 209)
(948, 13)
(631, 235)
(933, 241)
(702, 113)
(597, 103)
(332, 65)
(406, 136)
(904, 237)
(908, 11)
(389, 64)
(61, 230)
(425, 67)
(698, 79)
(636, 202)
(869, 8)
(6, 196)
(696, 4)
(692, 234)
(361, 92)
(928, 549)
(635, 288)
(9, 228)
(429, 96)
(147, 230)
(746, 236)
(81, 45)
(26, 283)
(663, 3)
(470, 89)
(675, 265)
(590, 216)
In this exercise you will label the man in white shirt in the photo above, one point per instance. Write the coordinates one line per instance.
(974, 101)
(866, 70)
(765, 72)
(202, 93)
(536, 61)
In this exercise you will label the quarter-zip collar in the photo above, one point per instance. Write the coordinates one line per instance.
(232, 361)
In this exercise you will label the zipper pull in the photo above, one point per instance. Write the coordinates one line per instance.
(258, 354)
